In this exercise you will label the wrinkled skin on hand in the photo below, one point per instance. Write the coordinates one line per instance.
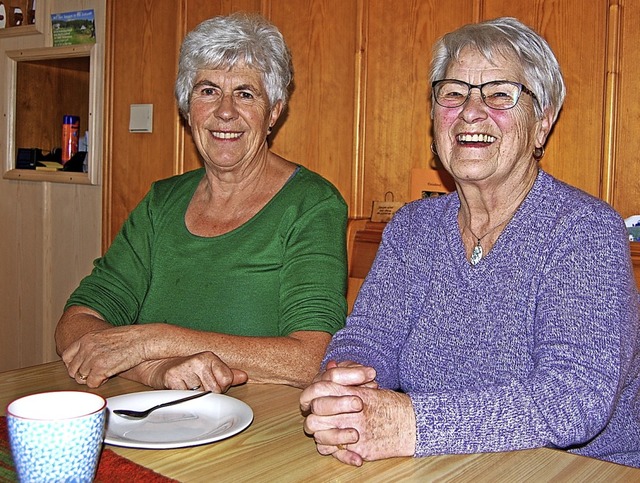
(354, 421)
(204, 370)
(101, 354)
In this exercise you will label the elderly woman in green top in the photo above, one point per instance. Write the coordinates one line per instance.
(232, 272)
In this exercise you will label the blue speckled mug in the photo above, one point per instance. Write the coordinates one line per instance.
(56, 436)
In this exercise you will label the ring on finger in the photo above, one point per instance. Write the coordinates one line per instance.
(341, 446)
(81, 376)
(195, 388)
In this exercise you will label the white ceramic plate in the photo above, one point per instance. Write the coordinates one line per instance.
(203, 420)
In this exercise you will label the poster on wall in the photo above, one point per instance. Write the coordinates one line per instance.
(71, 28)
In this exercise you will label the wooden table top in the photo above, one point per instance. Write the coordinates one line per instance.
(275, 448)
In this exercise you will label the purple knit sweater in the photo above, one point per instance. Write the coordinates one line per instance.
(537, 345)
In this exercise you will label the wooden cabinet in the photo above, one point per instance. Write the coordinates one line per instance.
(49, 83)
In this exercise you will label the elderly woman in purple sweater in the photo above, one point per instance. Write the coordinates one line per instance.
(502, 316)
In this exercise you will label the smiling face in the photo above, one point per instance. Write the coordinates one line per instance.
(479, 144)
(230, 117)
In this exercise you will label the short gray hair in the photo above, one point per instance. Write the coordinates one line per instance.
(224, 42)
(507, 36)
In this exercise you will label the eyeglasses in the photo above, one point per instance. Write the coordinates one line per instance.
(499, 94)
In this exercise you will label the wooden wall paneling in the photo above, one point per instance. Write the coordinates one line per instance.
(33, 272)
(52, 239)
(200, 10)
(611, 101)
(322, 129)
(626, 187)
(575, 147)
(397, 117)
(317, 130)
(51, 230)
(71, 240)
(145, 36)
(21, 280)
(48, 250)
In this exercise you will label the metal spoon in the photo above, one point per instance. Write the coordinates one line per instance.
(130, 414)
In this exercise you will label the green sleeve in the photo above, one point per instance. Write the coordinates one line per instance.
(117, 286)
(314, 273)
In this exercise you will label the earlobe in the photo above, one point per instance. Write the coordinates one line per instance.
(544, 127)
(276, 110)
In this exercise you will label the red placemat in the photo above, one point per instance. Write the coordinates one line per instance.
(111, 468)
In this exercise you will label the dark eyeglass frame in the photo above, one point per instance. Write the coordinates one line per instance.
(521, 88)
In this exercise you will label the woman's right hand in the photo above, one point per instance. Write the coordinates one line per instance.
(348, 373)
(352, 420)
(204, 371)
(102, 353)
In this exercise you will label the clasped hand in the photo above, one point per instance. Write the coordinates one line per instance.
(353, 420)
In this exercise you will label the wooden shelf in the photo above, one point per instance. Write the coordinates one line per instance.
(19, 31)
(52, 176)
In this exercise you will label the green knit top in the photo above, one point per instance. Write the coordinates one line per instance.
(282, 271)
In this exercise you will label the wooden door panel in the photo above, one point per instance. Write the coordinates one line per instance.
(143, 70)
(626, 186)
(318, 128)
(578, 37)
(397, 130)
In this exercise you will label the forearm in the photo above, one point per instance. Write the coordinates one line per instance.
(75, 322)
(292, 360)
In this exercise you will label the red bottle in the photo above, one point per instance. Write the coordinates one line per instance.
(70, 128)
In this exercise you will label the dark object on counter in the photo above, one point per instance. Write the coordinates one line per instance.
(76, 163)
(28, 158)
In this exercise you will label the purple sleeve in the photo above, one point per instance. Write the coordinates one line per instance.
(377, 327)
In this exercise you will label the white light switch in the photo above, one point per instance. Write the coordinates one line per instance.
(141, 118)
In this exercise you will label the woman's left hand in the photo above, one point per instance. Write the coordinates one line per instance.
(358, 423)
(204, 371)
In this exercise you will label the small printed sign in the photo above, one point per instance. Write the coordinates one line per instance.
(71, 28)
(383, 211)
